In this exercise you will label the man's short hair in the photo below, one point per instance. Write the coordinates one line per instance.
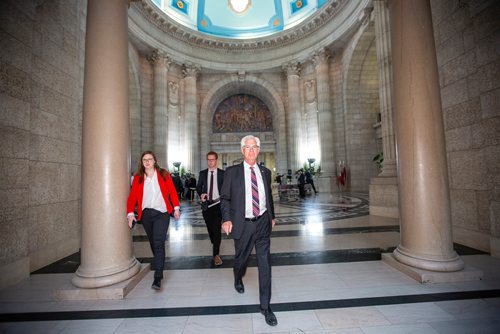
(246, 138)
(213, 153)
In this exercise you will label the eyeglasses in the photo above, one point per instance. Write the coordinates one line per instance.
(253, 148)
(146, 160)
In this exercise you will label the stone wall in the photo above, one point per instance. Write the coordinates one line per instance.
(467, 35)
(41, 85)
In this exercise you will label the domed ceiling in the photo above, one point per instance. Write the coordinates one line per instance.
(244, 35)
(239, 19)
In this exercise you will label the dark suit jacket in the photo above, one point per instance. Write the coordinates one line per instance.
(202, 186)
(233, 197)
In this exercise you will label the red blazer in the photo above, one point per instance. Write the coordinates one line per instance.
(167, 189)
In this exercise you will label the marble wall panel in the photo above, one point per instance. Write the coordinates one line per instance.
(486, 133)
(490, 103)
(50, 125)
(468, 170)
(454, 93)
(464, 209)
(57, 104)
(15, 22)
(51, 223)
(53, 55)
(462, 114)
(449, 49)
(484, 79)
(14, 240)
(484, 204)
(458, 68)
(44, 182)
(458, 139)
(14, 143)
(48, 149)
(14, 52)
(14, 173)
(14, 82)
(13, 205)
(14, 112)
(485, 20)
(52, 76)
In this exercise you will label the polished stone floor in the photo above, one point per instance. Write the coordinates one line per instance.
(327, 278)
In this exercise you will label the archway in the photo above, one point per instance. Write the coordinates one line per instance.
(271, 142)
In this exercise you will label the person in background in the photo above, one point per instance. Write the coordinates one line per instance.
(301, 179)
(154, 195)
(248, 214)
(309, 179)
(178, 184)
(208, 188)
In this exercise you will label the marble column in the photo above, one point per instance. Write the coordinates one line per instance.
(161, 63)
(294, 124)
(383, 44)
(191, 118)
(424, 199)
(174, 132)
(384, 187)
(106, 248)
(327, 160)
(311, 120)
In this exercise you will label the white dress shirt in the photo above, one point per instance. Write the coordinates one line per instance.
(248, 190)
(152, 197)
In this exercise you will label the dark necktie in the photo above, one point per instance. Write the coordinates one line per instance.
(255, 194)
(210, 192)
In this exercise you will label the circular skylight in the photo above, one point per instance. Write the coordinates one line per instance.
(239, 19)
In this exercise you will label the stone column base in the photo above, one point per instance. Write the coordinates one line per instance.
(115, 291)
(384, 197)
(427, 276)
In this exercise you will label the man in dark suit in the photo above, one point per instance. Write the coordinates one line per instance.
(248, 214)
(208, 187)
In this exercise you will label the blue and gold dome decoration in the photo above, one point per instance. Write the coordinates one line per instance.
(240, 19)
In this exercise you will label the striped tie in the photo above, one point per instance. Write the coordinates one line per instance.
(255, 194)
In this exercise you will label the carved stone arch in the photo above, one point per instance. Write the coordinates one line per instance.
(258, 87)
(361, 106)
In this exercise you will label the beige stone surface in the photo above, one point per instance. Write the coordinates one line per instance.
(427, 276)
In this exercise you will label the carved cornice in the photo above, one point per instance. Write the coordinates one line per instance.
(156, 17)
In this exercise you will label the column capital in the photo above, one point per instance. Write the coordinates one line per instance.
(190, 70)
(320, 57)
(158, 57)
(291, 68)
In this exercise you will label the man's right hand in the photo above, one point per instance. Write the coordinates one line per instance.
(227, 227)
(203, 197)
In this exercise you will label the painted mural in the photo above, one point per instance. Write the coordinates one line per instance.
(242, 113)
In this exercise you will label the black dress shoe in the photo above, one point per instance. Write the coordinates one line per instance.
(238, 286)
(156, 284)
(270, 317)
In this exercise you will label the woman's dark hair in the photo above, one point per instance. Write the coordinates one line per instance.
(140, 167)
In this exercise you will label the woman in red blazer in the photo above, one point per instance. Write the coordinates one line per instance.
(154, 194)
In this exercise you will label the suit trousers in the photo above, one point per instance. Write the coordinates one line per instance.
(213, 220)
(256, 233)
(155, 224)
